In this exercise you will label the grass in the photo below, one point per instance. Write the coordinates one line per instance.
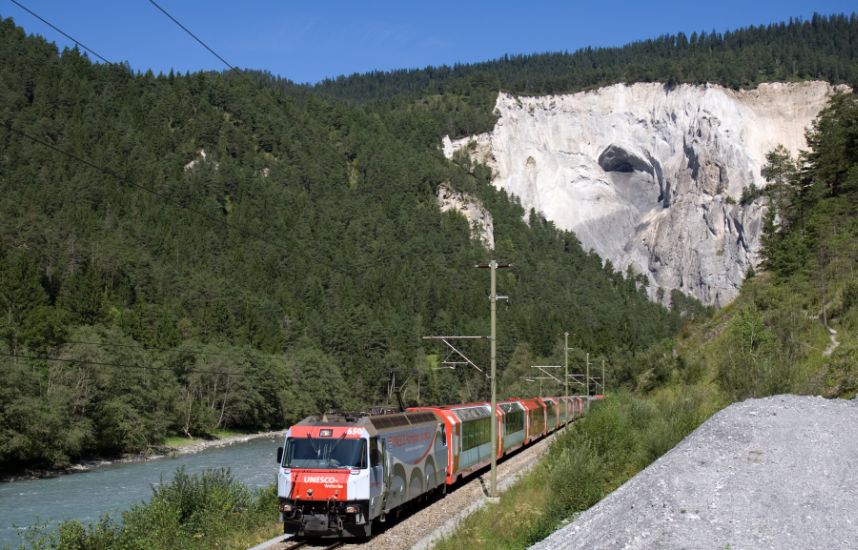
(770, 340)
(178, 441)
(199, 511)
(619, 437)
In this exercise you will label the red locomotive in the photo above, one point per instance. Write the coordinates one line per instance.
(339, 474)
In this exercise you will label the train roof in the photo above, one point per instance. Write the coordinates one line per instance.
(465, 413)
(374, 424)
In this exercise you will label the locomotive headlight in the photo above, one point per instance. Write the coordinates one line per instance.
(351, 509)
(285, 507)
(309, 492)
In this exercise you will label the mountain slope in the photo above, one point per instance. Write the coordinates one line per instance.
(792, 329)
(821, 48)
(651, 177)
(240, 254)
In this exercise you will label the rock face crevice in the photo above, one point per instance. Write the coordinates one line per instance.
(649, 176)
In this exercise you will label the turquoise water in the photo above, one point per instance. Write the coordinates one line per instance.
(110, 489)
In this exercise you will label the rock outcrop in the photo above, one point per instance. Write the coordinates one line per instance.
(201, 158)
(479, 218)
(650, 176)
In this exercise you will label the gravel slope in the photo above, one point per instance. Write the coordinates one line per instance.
(779, 472)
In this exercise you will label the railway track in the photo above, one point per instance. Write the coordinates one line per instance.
(420, 528)
(307, 544)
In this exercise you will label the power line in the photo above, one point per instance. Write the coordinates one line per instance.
(241, 73)
(114, 365)
(107, 171)
(242, 231)
(334, 265)
(73, 39)
(184, 28)
(121, 179)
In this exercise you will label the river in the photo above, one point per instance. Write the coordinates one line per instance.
(112, 488)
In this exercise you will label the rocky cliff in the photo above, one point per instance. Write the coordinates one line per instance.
(650, 176)
(477, 215)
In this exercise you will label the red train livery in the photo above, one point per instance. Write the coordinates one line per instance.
(339, 475)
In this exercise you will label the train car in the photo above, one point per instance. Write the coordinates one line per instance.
(468, 429)
(535, 417)
(579, 406)
(338, 475)
(572, 407)
(552, 413)
(513, 431)
(565, 409)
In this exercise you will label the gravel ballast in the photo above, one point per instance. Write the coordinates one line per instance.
(779, 472)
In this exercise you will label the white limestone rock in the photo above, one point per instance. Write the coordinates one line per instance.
(201, 158)
(648, 176)
(479, 218)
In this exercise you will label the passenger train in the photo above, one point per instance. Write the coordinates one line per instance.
(339, 474)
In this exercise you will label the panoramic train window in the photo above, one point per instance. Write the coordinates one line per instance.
(310, 452)
(514, 421)
(537, 418)
(476, 433)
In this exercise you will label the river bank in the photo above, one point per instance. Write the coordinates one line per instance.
(154, 452)
(34, 509)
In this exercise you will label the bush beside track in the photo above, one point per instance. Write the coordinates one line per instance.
(193, 511)
(618, 437)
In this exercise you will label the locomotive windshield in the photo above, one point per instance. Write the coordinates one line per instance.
(312, 452)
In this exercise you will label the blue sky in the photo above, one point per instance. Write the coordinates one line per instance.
(309, 41)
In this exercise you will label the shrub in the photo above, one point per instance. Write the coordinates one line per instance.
(191, 508)
(207, 510)
(576, 480)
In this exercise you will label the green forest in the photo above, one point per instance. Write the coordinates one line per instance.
(792, 329)
(183, 253)
(463, 96)
(776, 337)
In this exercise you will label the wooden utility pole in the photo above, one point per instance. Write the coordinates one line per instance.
(493, 266)
(566, 364)
(587, 379)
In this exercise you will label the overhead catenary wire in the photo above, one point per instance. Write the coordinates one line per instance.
(334, 265)
(244, 232)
